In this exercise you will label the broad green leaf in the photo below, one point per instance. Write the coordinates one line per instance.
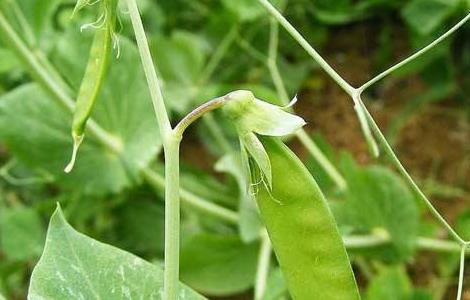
(180, 60)
(244, 10)
(218, 265)
(303, 231)
(275, 286)
(391, 284)
(75, 266)
(2, 297)
(425, 16)
(140, 226)
(391, 207)
(394, 284)
(37, 130)
(8, 61)
(39, 14)
(21, 233)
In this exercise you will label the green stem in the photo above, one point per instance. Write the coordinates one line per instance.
(218, 55)
(158, 182)
(360, 242)
(199, 112)
(150, 72)
(322, 160)
(461, 271)
(415, 55)
(307, 47)
(171, 142)
(172, 219)
(396, 162)
(301, 134)
(264, 262)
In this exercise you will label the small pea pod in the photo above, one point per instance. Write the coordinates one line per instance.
(95, 72)
(303, 231)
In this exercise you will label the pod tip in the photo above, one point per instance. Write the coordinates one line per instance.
(77, 141)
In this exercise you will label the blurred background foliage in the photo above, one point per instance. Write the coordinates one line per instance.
(206, 48)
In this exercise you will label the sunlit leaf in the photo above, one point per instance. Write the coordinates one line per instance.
(75, 266)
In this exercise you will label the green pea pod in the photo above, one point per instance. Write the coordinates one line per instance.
(303, 231)
(93, 79)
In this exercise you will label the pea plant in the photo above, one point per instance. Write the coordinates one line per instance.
(281, 204)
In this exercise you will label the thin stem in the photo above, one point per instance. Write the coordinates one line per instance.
(264, 262)
(172, 219)
(41, 75)
(322, 160)
(150, 72)
(301, 134)
(307, 47)
(158, 182)
(272, 60)
(396, 162)
(199, 112)
(416, 55)
(218, 55)
(207, 73)
(461, 271)
(359, 242)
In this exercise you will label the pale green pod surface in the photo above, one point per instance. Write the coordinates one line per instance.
(303, 231)
(260, 117)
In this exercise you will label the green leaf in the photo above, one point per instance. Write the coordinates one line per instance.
(180, 60)
(391, 207)
(425, 16)
(275, 286)
(37, 130)
(244, 10)
(75, 266)
(218, 265)
(8, 62)
(250, 224)
(303, 231)
(391, 284)
(21, 233)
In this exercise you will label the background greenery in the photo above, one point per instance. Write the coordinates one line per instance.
(206, 48)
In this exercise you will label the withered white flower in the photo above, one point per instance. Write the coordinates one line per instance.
(252, 116)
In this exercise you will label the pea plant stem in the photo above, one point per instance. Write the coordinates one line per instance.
(415, 55)
(307, 47)
(264, 262)
(150, 71)
(158, 182)
(172, 219)
(171, 143)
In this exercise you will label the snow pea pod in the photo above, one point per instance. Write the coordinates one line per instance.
(303, 231)
(95, 72)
